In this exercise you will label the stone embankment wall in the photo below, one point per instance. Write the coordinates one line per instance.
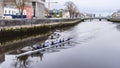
(27, 27)
(19, 22)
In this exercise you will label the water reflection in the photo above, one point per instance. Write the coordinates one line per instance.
(118, 27)
(2, 58)
(22, 62)
(14, 48)
(25, 61)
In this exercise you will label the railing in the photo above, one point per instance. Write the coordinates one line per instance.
(95, 18)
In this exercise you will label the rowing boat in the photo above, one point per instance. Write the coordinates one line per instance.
(35, 51)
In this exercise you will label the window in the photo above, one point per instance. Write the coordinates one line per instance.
(9, 11)
(5, 11)
(12, 12)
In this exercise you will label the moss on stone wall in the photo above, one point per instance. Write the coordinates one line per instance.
(23, 31)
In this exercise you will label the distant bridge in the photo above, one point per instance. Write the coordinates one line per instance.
(91, 18)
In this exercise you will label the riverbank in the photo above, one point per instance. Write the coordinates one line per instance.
(116, 20)
(35, 29)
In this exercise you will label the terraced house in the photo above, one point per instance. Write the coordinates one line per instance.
(33, 8)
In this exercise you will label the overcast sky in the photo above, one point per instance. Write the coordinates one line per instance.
(90, 6)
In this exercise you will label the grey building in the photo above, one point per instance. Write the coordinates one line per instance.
(1, 7)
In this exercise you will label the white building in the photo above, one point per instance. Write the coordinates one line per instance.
(66, 14)
(116, 14)
(8, 7)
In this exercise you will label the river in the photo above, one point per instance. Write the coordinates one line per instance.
(94, 44)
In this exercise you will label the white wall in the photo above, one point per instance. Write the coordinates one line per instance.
(12, 11)
(66, 15)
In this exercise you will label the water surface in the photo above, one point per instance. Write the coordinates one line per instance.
(95, 44)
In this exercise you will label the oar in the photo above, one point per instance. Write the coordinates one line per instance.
(31, 52)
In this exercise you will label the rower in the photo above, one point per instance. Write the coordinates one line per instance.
(46, 44)
(43, 45)
(60, 41)
(55, 42)
(52, 37)
(63, 40)
(58, 34)
(52, 43)
(38, 47)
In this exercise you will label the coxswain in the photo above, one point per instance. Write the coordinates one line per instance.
(38, 47)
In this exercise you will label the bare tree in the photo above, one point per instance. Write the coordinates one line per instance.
(71, 8)
(47, 12)
(20, 4)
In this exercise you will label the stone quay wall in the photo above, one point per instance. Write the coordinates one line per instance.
(20, 22)
(27, 27)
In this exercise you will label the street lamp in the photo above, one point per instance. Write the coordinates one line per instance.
(34, 7)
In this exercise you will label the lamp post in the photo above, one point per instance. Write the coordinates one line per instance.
(34, 7)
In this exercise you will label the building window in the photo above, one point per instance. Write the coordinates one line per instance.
(12, 12)
(5, 11)
(9, 11)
